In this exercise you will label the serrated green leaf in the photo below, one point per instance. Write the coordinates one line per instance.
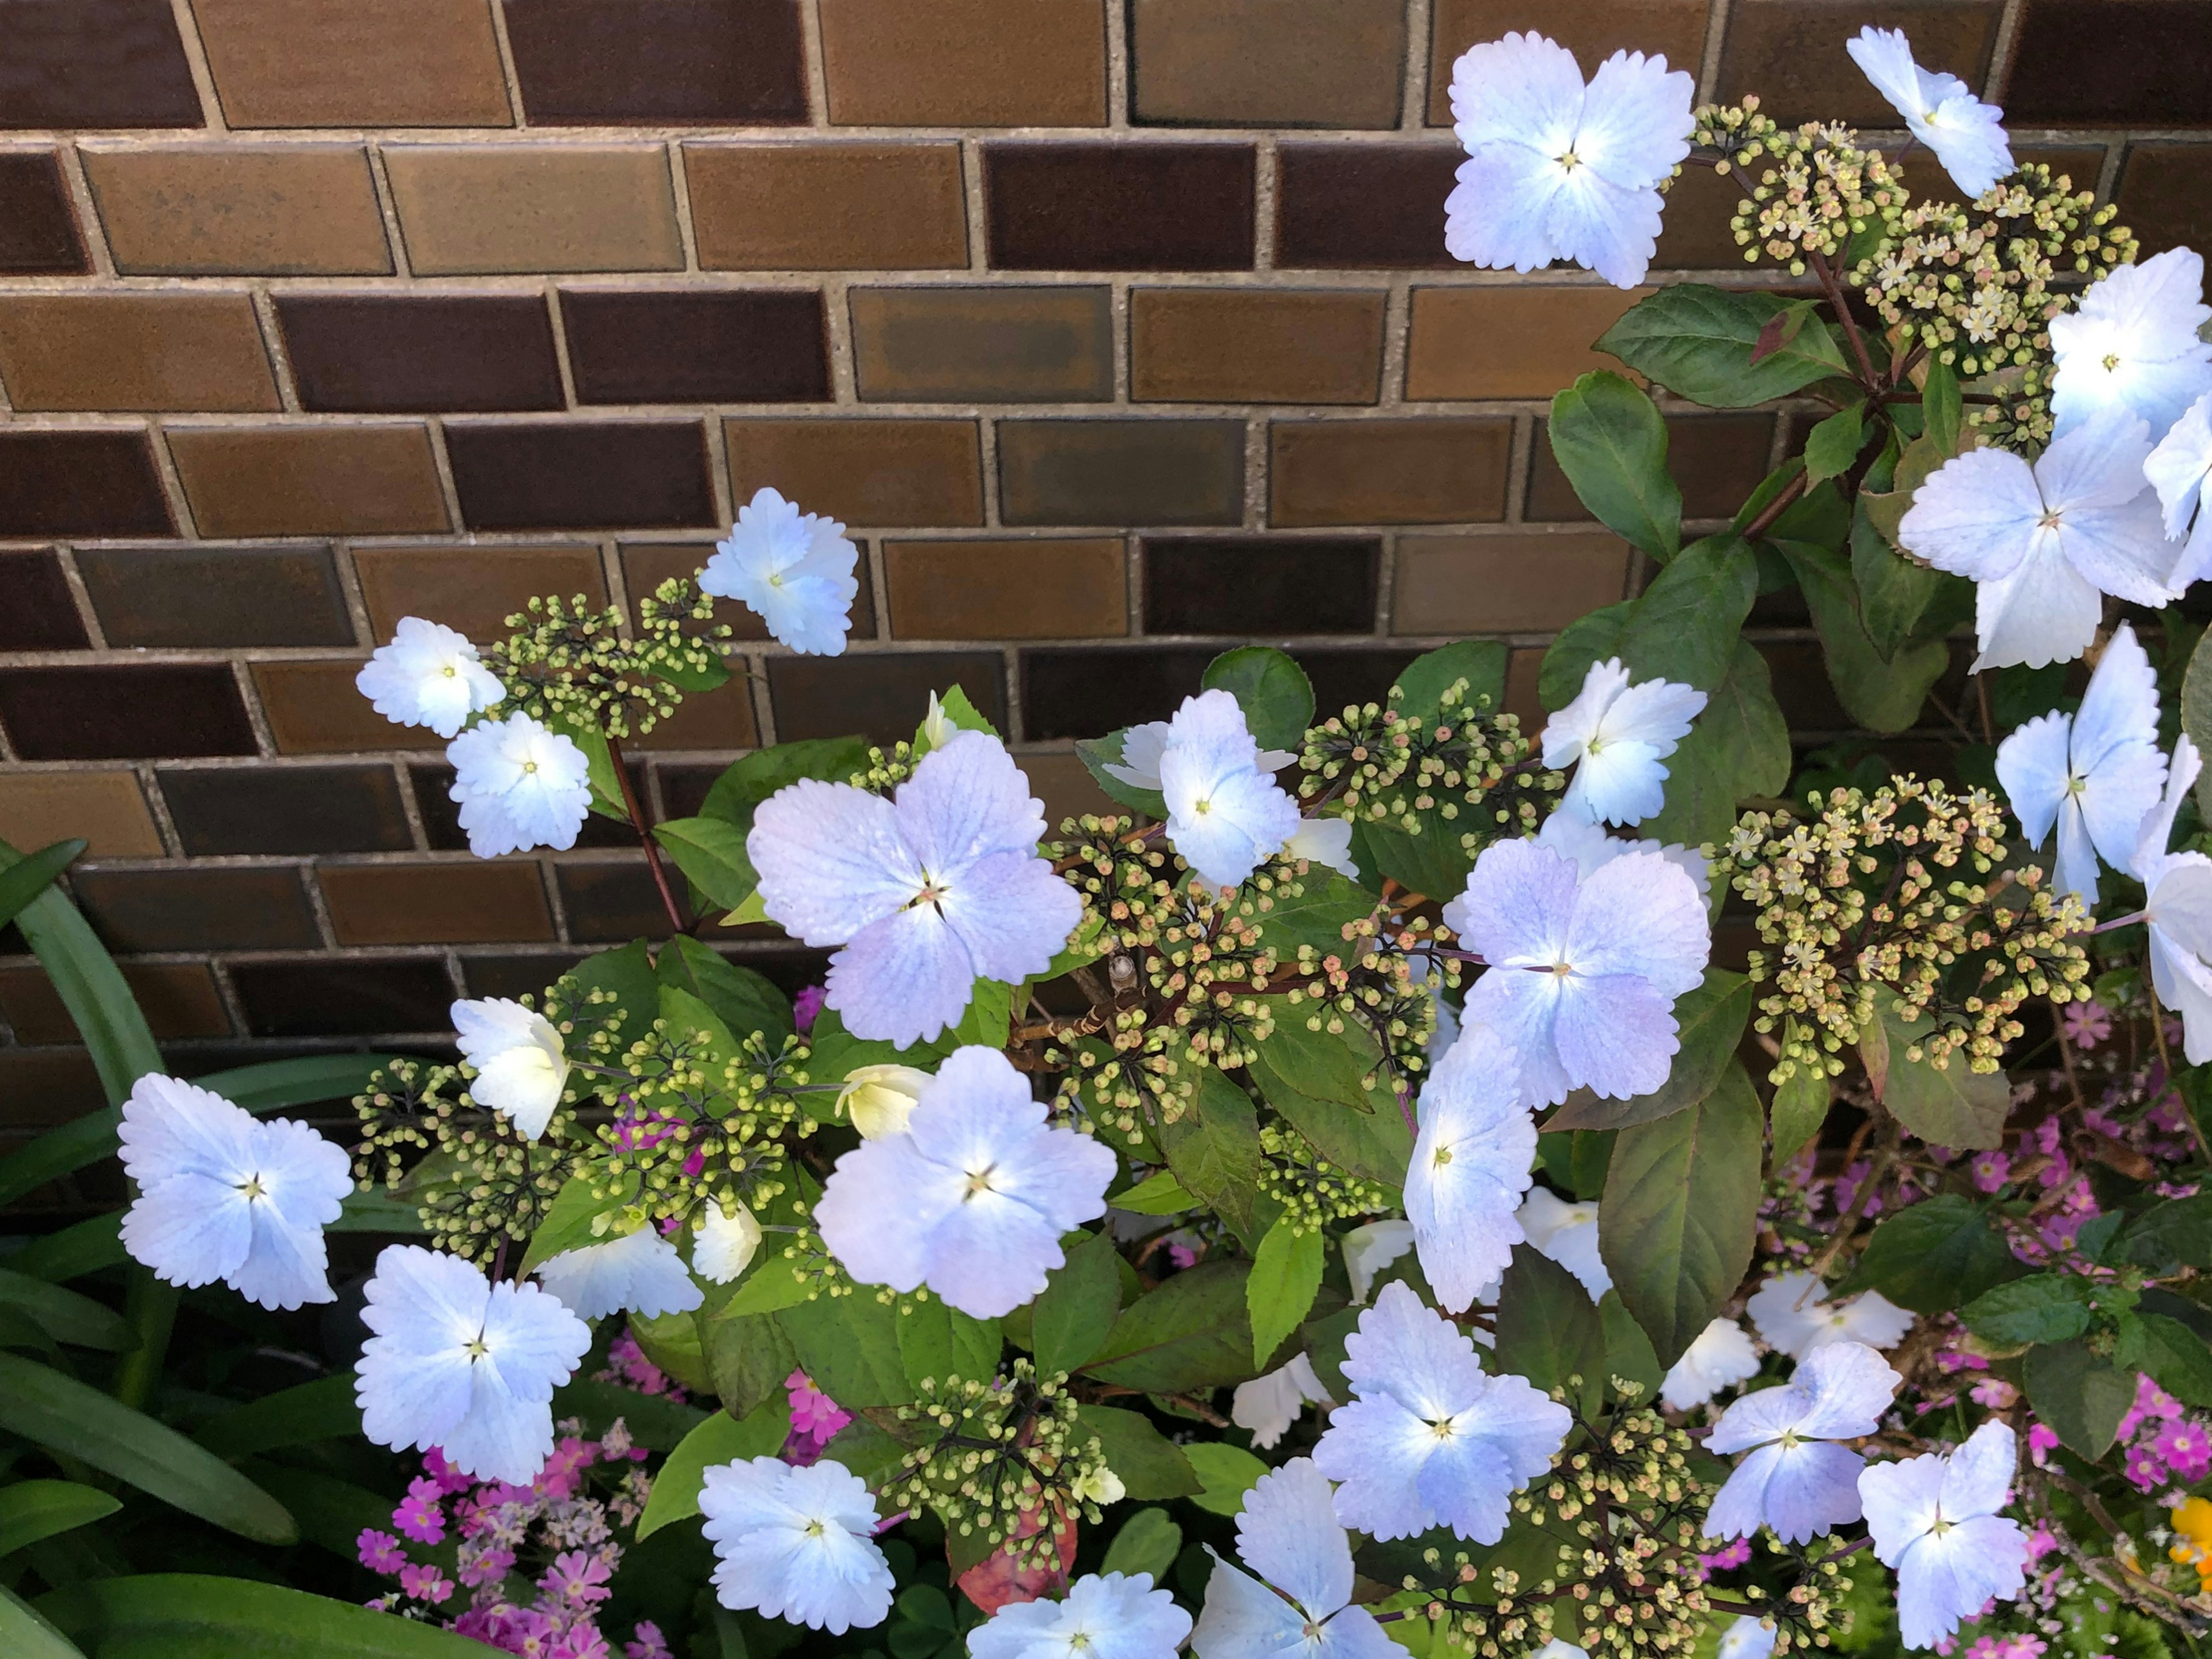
(721, 1439)
(1269, 686)
(1882, 693)
(1159, 1193)
(1587, 639)
(849, 1345)
(1609, 440)
(1285, 1278)
(744, 1000)
(1799, 1107)
(1946, 1105)
(1191, 1333)
(2175, 1355)
(2047, 1307)
(1423, 682)
(2173, 1234)
(1070, 1322)
(1697, 342)
(936, 1341)
(1317, 1080)
(1148, 1542)
(711, 854)
(1833, 444)
(1228, 1472)
(1933, 1256)
(2077, 1395)
(1214, 1149)
(1099, 755)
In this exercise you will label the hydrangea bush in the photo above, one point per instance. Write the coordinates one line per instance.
(1343, 1202)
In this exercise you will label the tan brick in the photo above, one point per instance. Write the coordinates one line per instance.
(1015, 590)
(889, 472)
(1508, 342)
(471, 903)
(473, 590)
(286, 211)
(1253, 346)
(1504, 584)
(309, 480)
(1268, 63)
(1403, 472)
(1592, 29)
(364, 63)
(106, 808)
(535, 207)
(846, 205)
(965, 63)
(136, 352)
(313, 708)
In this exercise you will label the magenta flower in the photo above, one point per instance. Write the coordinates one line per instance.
(1990, 1170)
(2187, 1449)
(1731, 1555)
(2087, 1024)
(425, 1584)
(485, 1565)
(379, 1552)
(576, 1577)
(449, 1478)
(418, 1514)
(2041, 1442)
(814, 1415)
(581, 1641)
(647, 1642)
(2144, 1468)
(804, 1008)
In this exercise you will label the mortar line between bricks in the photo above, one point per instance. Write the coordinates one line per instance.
(816, 67)
(879, 585)
(356, 603)
(680, 185)
(1519, 456)
(840, 342)
(157, 807)
(1386, 583)
(273, 347)
(720, 481)
(1121, 319)
(2000, 50)
(1709, 62)
(1121, 80)
(550, 297)
(195, 49)
(449, 488)
(91, 229)
(1266, 205)
(80, 596)
(257, 718)
(1421, 47)
(1133, 578)
(172, 484)
(510, 76)
(388, 209)
(974, 207)
(410, 808)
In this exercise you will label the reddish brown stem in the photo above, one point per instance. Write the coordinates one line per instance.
(1775, 508)
(644, 838)
(1833, 287)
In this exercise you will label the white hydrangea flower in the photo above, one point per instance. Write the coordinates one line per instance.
(1592, 849)
(519, 785)
(793, 570)
(521, 1068)
(1288, 1533)
(1620, 734)
(1143, 745)
(1721, 1356)
(796, 1543)
(224, 1195)
(640, 1273)
(2133, 345)
(1108, 1617)
(1226, 815)
(2180, 470)
(1797, 1331)
(1934, 1522)
(1748, 1637)
(1324, 841)
(1968, 136)
(1567, 1232)
(2178, 911)
(1268, 1404)
(1369, 1250)
(1469, 1168)
(1796, 1480)
(723, 1243)
(427, 676)
(879, 1099)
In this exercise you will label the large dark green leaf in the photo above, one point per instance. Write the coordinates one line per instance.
(1938, 1254)
(1883, 693)
(748, 1357)
(2078, 1395)
(2171, 1235)
(2041, 1307)
(1738, 750)
(746, 999)
(1191, 1333)
(1610, 442)
(849, 1345)
(2175, 1355)
(1314, 1079)
(27, 1633)
(21, 882)
(1698, 343)
(936, 1341)
(1272, 690)
(64, 1314)
(1070, 1322)
(1686, 625)
(1900, 601)
(721, 1439)
(1946, 1105)
(31, 1509)
(175, 1615)
(1151, 1465)
(1423, 681)
(1548, 1329)
(2197, 712)
(745, 783)
(1214, 1149)
(1710, 1019)
(711, 851)
(1591, 638)
(321, 1410)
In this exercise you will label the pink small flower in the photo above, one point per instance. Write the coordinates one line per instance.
(2087, 1024)
(647, 1642)
(418, 1514)
(379, 1552)
(449, 1478)
(479, 1566)
(813, 1413)
(1994, 1392)
(2040, 1543)
(425, 1584)
(1181, 1254)
(577, 1578)
(562, 1470)
(2041, 1442)
(1990, 1170)
(804, 1007)
(2154, 1401)
(1731, 1555)
(2144, 1468)
(2187, 1449)
(581, 1641)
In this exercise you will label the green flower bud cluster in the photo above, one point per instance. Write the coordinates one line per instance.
(569, 663)
(1820, 191)
(1813, 1611)
(1732, 135)
(1371, 982)
(1312, 1191)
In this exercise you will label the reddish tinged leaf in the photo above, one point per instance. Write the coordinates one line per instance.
(999, 1580)
(1777, 332)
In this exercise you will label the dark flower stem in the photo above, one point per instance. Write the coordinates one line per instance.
(645, 839)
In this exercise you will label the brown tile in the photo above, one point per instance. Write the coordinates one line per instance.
(1697, 231)
(1524, 674)
(1364, 207)
(1013, 590)
(1066, 786)
(2118, 63)
(281, 210)
(197, 908)
(473, 590)
(383, 354)
(1790, 53)
(882, 697)
(313, 708)
(646, 565)
(221, 812)
(1255, 345)
(473, 903)
(721, 719)
(1592, 29)
(848, 205)
(94, 64)
(344, 997)
(1266, 63)
(309, 480)
(1273, 586)
(965, 63)
(1516, 583)
(611, 902)
(216, 596)
(142, 711)
(80, 484)
(983, 344)
(1410, 471)
(179, 999)
(38, 809)
(1120, 471)
(36, 611)
(694, 346)
(658, 63)
(372, 63)
(582, 475)
(515, 976)
(37, 227)
(1717, 459)
(1118, 207)
(134, 351)
(1507, 342)
(43, 1088)
(863, 472)
(534, 207)
(1088, 693)
(2166, 195)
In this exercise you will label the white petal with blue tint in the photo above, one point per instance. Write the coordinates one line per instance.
(639, 1273)
(2133, 345)
(1470, 1166)
(1968, 136)
(794, 570)
(797, 1544)
(519, 785)
(428, 675)
(1934, 1521)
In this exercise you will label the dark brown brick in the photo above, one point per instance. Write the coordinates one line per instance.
(152, 710)
(983, 344)
(1121, 471)
(36, 610)
(721, 719)
(1364, 207)
(608, 903)
(471, 903)
(1348, 674)
(198, 910)
(849, 204)
(80, 484)
(1118, 207)
(1388, 472)
(216, 596)
(1255, 345)
(1245, 585)
(1087, 694)
(179, 999)
(1591, 29)
(38, 230)
(735, 346)
(882, 697)
(1717, 459)
(2166, 195)
(343, 997)
(2110, 63)
(1509, 583)
(279, 809)
(106, 808)
(515, 976)
(684, 787)
(1790, 53)
(578, 475)
(658, 63)
(94, 64)
(378, 355)
(442, 816)
(313, 708)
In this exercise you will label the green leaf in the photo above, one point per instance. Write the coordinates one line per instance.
(936, 1341)
(2079, 1397)
(39, 1404)
(92, 988)
(867, 1450)
(672, 1341)
(92, 1243)
(1587, 639)
(1316, 1079)
(377, 1211)
(774, 1284)
(711, 852)
(1881, 692)
(1949, 1106)
(1799, 1107)
(65, 1315)
(31, 1509)
(721, 1439)
(747, 783)
(1738, 750)
(1285, 1280)
(746, 1000)
(321, 1410)
(2041, 1307)
(834, 1053)
(656, 1423)
(748, 1357)
(1148, 1542)
(1834, 444)
(1710, 1020)
(180, 1615)
(21, 882)
(849, 1345)
(1686, 625)
(2174, 1355)
(1272, 690)
(958, 713)
(1940, 411)
(1431, 862)
(1611, 445)
(1628, 1352)
(1423, 682)
(1151, 1465)
(1698, 343)
(27, 1633)
(606, 778)
(1214, 1149)
(1159, 1193)
(988, 1018)
(1681, 1212)
(1070, 1322)
(1938, 1254)
(2171, 1235)
(568, 1224)
(1191, 1333)
(1548, 1329)
(1228, 1472)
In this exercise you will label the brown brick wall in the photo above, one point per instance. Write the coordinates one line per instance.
(1118, 331)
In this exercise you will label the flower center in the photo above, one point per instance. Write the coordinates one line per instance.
(1568, 161)
(449, 671)
(979, 1181)
(1202, 807)
(476, 1349)
(814, 1529)
(530, 765)
(2112, 361)
(1443, 1156)
(1443, 1428)
(251, 1188)
(776, 581)
(2051, 520)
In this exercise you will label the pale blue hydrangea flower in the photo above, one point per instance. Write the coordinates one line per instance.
(1556, 170)
(2095, 773)
(1325, 841)
(2180, 470)
(1934, 1522)
(2043, 543)
(1794, 1315)
(1428, 1439)
(1111, 1616)
(1796, 1480)
(2178, 911)
(1616, 737)
(1748, 1637)
(1469, 1168)
(972, 1199)
(2133, 345)
(1143, 745)
(427, 676)
(1591, 849)
(1583, 971)
(1567, 1232)
(1268, 1404)
(793, 570)
(927, 893)
(1225, 815)
(520, 1066)
(1289, 1535)
(1369, 1250)
(796, 1543)
(1968, 136)
(224, 1195)
(457, 1362)
(640, 1273)
(519, 785)
(1721, 1356)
